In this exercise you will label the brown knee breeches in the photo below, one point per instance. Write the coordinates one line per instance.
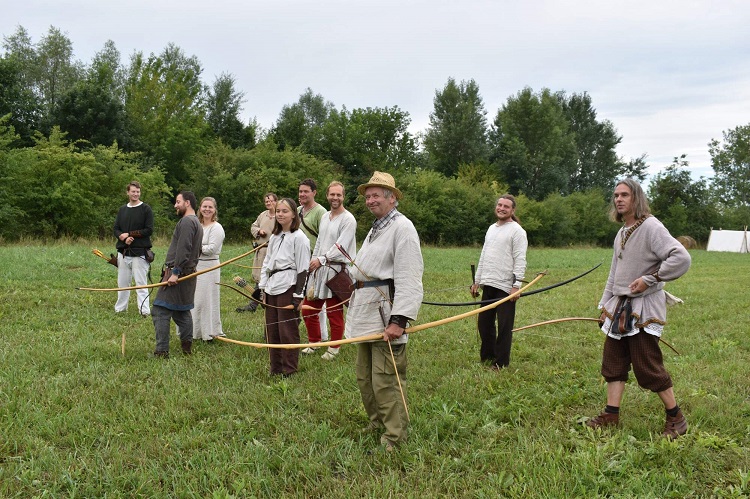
(643, 353)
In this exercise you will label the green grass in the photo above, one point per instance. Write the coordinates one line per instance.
(81, 420)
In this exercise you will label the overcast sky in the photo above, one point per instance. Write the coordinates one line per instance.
(670, 75)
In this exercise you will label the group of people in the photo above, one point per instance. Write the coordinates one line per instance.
(196, 245)
(307, 246)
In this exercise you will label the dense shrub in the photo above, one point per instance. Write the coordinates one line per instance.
(54, 189)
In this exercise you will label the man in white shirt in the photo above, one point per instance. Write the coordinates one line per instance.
(387, 297)
(337, 227)
(501, 269)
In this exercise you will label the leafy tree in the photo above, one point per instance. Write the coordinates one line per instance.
(90, 112)
(364, 140)
(636, 168)
(93, 109)
(447, 211)
(238, 179)
(56, 71)
(597, 164)
(730, 161)
(18, 101)
(59, 190)
(164, 106)
(223, 106)
(106, 69)
(534, 149)
(458, 128)
(20, 48)
(297, 120)
(682, 205)
(18, 94)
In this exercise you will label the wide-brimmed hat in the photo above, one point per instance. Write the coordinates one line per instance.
(381, 179)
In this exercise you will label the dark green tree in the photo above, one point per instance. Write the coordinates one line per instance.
(365, 140)
(18, 101)
(730, 161)
(56, 72)
(18, 89)
(164, 106)
(93, 109)
(684, 206)
(636, 168)
(458, 128)
(90, 112)
(297, 120)
(223, 106)
(534, 149)
(20, 49)
(597, 164)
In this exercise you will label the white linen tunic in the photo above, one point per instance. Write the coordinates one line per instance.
(341, 230)
(289, 253)
(394, 253)
(206, 313)
(503, 256)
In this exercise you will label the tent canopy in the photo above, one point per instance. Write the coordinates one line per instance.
(728, 240)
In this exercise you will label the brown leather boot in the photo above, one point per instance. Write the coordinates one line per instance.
(604, 419)
(187, 347)
(675, 426)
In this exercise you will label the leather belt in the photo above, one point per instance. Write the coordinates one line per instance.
(373, 283)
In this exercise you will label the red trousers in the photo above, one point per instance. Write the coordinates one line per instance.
(335, 313)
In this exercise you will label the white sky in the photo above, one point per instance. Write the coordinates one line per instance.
(670, 75)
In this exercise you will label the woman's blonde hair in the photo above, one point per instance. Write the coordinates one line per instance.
(215, 218)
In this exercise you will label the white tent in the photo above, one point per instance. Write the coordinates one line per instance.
(728, 240)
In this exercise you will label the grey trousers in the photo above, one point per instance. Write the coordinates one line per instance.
(161, 317)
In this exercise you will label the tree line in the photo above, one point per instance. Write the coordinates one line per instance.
(72, 135)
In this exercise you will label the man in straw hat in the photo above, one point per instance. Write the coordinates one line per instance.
(388, 293)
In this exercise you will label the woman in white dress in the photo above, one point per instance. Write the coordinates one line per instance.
(206, 316)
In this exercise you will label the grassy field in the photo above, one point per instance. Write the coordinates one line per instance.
(79, 419)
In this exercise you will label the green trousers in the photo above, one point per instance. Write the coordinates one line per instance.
(378, 385)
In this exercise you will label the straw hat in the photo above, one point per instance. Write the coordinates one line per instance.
(381, 179)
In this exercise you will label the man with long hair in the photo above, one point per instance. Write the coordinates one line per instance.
(502, 266)
(634, 307)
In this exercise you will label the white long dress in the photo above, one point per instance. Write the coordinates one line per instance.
(206, 313)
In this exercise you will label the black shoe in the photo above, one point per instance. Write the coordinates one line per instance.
(250, 307)
(187, 346)
(161, 355)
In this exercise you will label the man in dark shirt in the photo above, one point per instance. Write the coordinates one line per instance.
(175, 300)
(133, 228)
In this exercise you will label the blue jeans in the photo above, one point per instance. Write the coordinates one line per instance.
(161, 317)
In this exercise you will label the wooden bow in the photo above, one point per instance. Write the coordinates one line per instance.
(379, 336)
(540, 290)
(246, 266)
(567, 319)
(183, 278)
(285, 307)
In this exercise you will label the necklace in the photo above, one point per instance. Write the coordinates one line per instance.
(626, 233)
